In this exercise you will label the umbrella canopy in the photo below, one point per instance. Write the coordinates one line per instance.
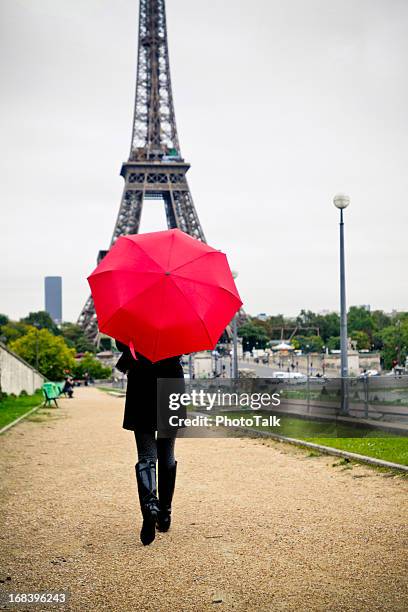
(164, 293)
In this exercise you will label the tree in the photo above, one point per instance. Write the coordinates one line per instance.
(75, 338)
(328, 324)
(401, 316)
(377, 341)
(395, 343)
(53, 355)
(359, 319)
(13, 330)
(253, 335)
(362, 339)
(265, 325)
(380, 319)
(278, 319)
(3, 319)
(333, 343)
(93, 366)
(306, 318)
(308, 344)
(41, 320)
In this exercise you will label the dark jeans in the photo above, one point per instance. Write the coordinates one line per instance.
(160, 449)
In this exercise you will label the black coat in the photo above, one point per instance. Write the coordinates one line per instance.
(141, 394)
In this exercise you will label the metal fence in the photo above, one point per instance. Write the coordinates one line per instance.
(377, 398)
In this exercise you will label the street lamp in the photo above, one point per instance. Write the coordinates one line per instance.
(190, 367)
(398, 325)
(308, 376)
(341, 202)
(235, 372)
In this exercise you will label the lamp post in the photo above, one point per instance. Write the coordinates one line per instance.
(308, 376)
(398, 325)
(341, 202)
(235, 372)
(190, 367)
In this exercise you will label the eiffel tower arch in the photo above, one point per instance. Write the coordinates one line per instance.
(155, 168)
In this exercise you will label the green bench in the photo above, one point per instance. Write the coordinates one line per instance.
(51, 392)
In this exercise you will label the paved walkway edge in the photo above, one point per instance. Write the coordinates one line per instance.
(328, 450)
(23, 416)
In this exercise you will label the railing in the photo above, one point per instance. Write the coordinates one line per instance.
(379, 398)
(376, 398)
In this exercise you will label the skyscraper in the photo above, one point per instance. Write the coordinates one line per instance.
(53, 297)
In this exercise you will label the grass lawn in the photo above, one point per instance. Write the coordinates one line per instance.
(363, 441)
(13, 407)
(393, 449)
(111, 390)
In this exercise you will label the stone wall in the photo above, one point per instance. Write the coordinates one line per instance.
(17, 375)
(203, 364)
(370, 361)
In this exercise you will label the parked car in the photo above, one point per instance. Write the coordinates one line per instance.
(290, 376)
(369, 373)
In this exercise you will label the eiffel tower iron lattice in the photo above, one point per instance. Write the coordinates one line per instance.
(155, 169)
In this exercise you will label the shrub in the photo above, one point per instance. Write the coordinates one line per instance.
(93, 366)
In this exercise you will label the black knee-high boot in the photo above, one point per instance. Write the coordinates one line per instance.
(167, 481)
(149, 504)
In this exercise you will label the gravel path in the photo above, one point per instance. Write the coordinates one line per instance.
(258, 526)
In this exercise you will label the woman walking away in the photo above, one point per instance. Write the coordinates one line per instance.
(180, 291)
(141, 418)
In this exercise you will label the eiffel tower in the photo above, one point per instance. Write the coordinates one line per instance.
(155, 169)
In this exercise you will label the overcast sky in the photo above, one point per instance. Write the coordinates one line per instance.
(279, 104)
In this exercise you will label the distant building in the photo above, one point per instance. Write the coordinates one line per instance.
(53, 297)
(262, 316)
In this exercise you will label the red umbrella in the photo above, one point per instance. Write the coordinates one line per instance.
(164, 294)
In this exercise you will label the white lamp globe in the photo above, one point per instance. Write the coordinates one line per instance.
(341, 200)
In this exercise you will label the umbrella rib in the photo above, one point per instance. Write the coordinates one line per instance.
(195, 312)
(142, 292)
(156, 340)
(128, 301)
(210, 285)
(185, 263)
(146, 253)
